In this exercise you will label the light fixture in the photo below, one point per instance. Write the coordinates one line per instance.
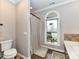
(52, 3)
(15, 1)
(31, 8)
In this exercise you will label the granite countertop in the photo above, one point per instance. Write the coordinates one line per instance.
(72, 49)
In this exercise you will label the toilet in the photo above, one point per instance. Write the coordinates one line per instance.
(11, 53)
(6, 47)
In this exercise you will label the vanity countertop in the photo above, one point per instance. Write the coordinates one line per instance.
(72, 49)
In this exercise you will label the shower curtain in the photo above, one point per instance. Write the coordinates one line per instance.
(35, 33)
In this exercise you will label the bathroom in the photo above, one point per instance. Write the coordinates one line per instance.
(25, 22)
(66, 12)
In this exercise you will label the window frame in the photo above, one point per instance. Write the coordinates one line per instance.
(58, 30)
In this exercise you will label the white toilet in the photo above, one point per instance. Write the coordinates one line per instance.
(6, 47)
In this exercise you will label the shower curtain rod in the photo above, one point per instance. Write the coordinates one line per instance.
(35, 16)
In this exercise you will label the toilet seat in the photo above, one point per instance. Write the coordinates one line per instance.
(10, 53)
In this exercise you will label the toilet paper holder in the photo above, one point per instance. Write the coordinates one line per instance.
(1, 24)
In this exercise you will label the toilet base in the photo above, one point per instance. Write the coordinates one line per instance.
(9, 58)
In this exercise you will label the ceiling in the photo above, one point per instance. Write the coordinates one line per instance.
(40, 4)
(15, 1)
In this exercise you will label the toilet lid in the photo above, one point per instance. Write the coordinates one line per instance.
(10, 51)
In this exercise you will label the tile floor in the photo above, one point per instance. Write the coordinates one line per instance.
(18, 57)
(56, 55)
(51, 55)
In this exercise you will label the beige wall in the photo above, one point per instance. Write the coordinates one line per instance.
(69, 21)
(23, 28)
(8, 19)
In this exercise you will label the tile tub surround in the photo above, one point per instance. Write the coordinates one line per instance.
(41, 52)
(71, 37)
(72, 49)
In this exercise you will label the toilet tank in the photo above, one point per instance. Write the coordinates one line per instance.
(5, 44)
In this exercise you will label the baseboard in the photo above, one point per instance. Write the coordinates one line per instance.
(24, 56)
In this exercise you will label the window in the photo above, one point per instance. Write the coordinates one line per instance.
(52, 28)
